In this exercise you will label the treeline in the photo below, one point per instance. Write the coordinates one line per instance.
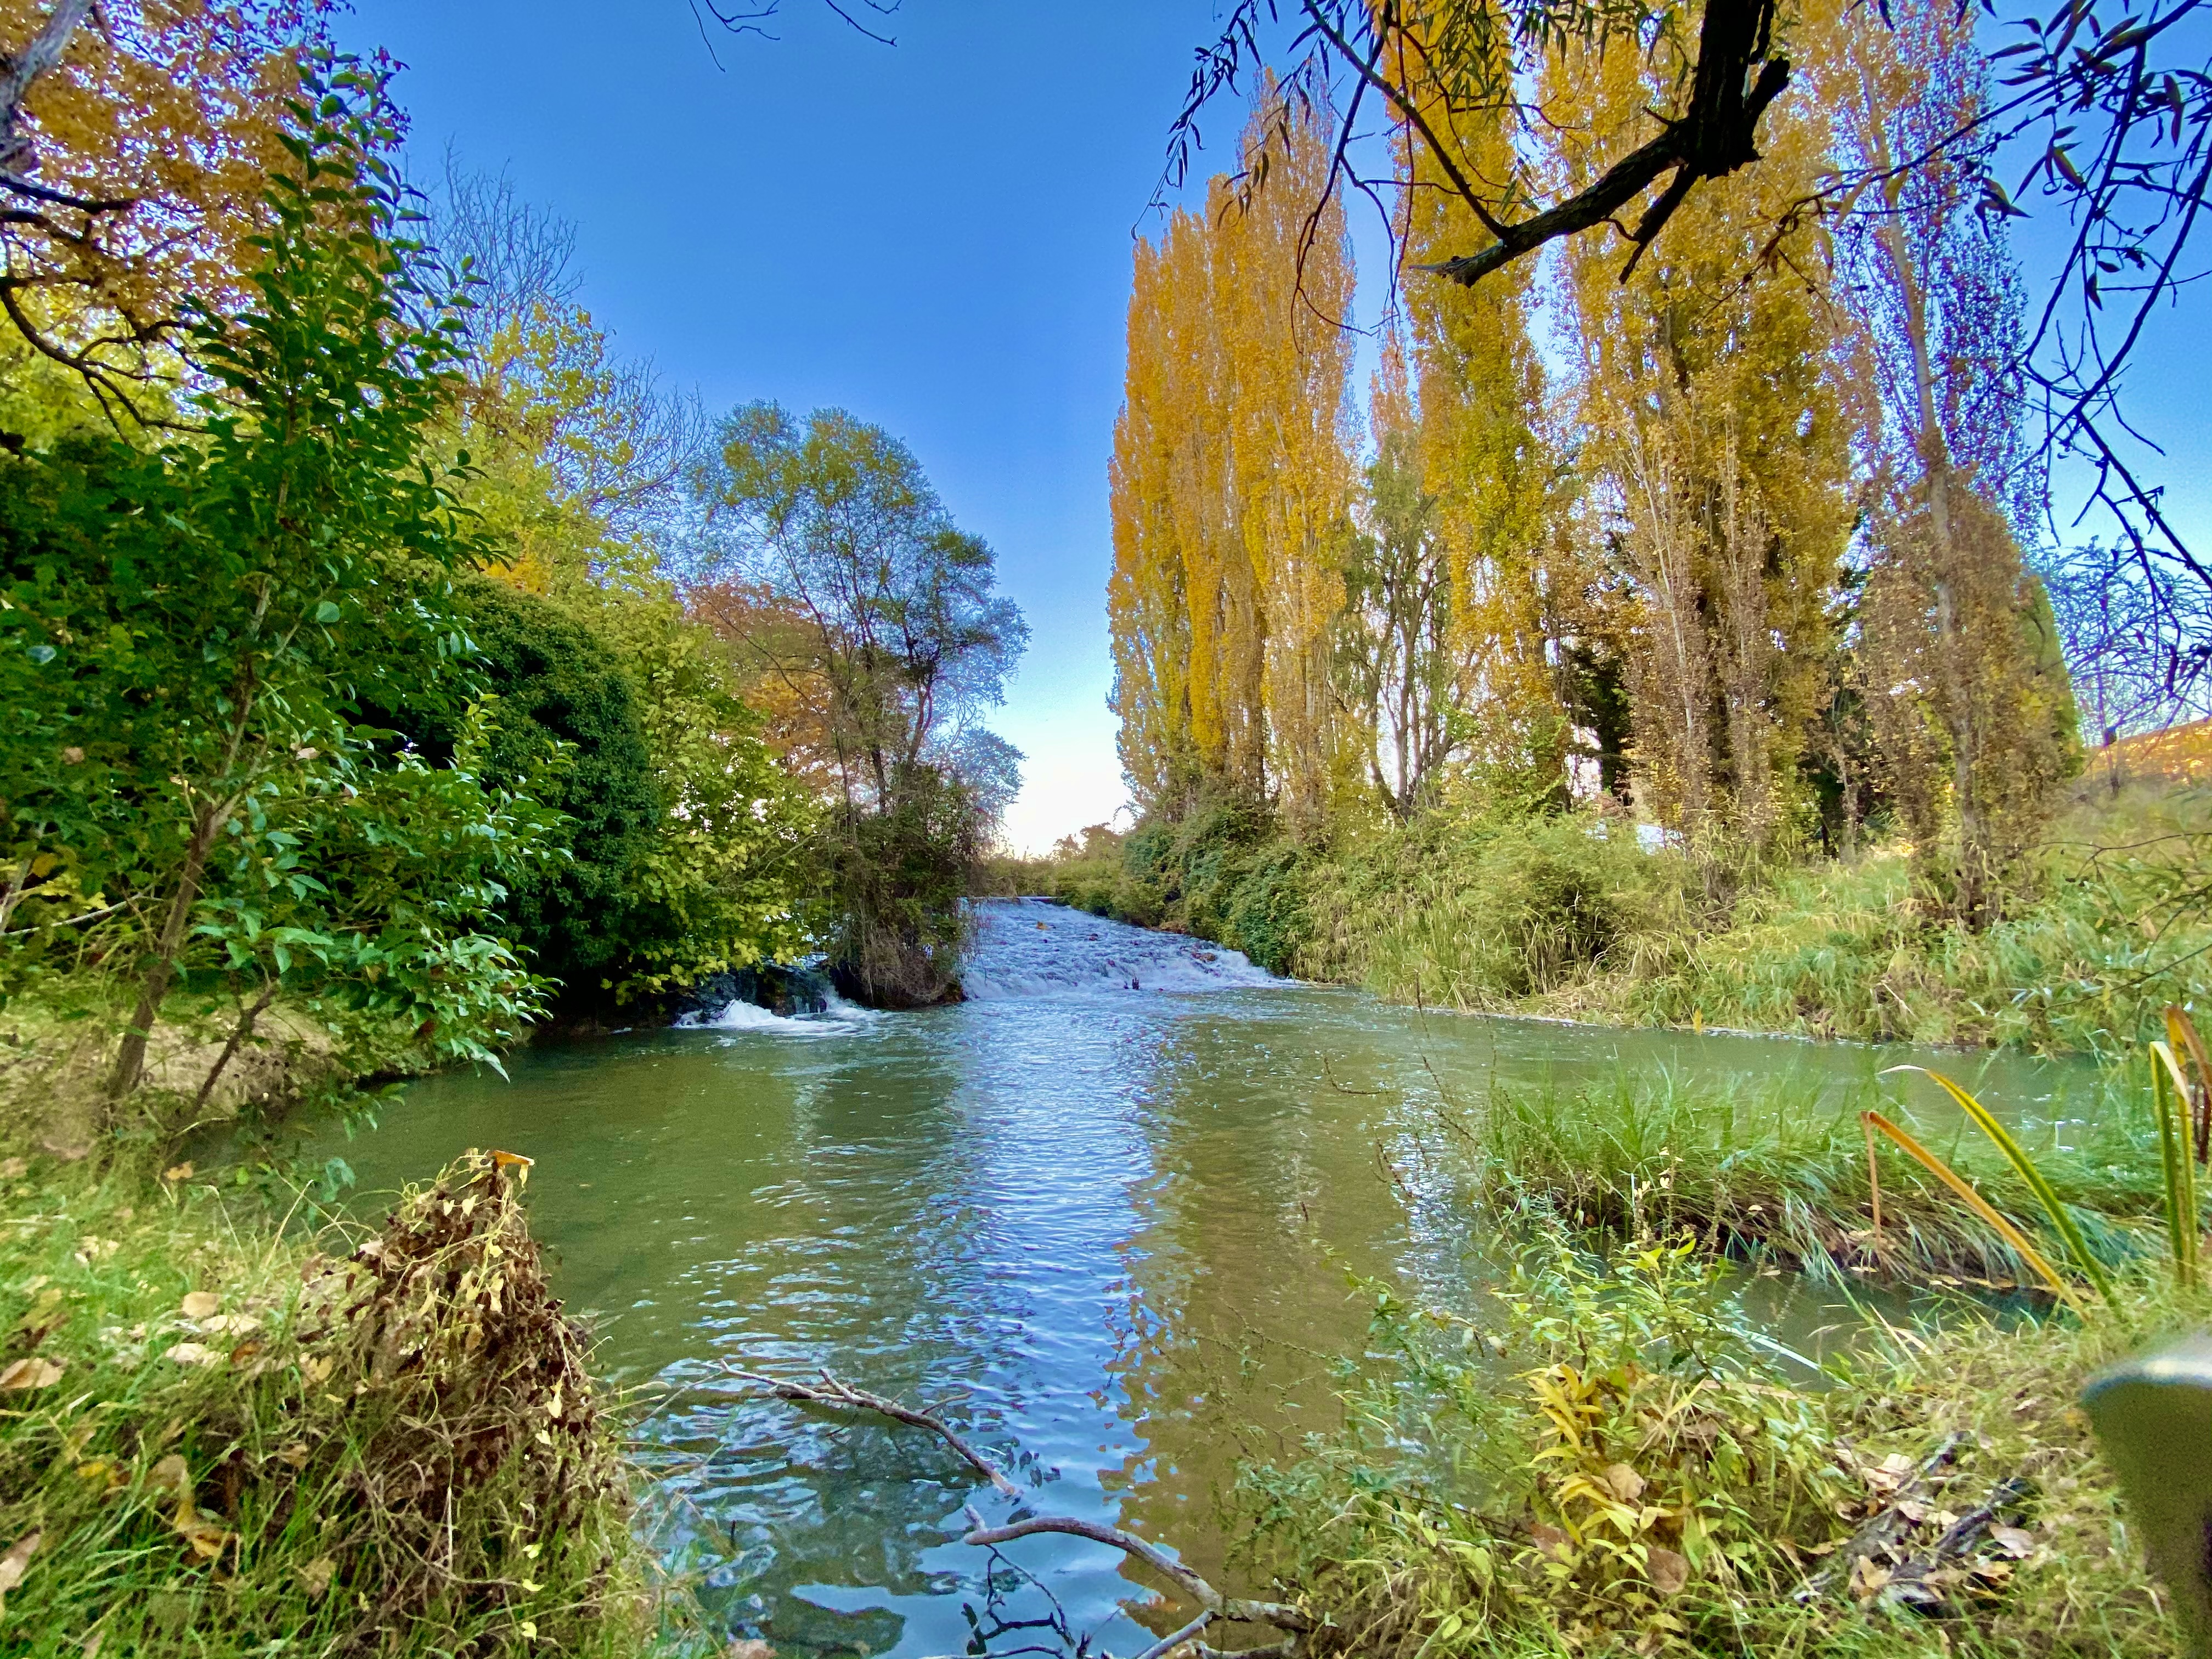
(387, 665)
(1716, 553)
(1741, 554)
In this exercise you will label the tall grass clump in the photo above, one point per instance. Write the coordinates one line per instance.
(217, 1439)
(2116, 928)
(1768, 1169)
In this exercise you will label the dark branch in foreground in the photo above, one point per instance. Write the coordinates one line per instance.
(834, 1392)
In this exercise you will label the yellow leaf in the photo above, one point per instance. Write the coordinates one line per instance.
(192, 1353)
(30, 1373)
(101, 1471)
(1627, 1485)
(200, 1304)
(315, 1578)
(178, 1172)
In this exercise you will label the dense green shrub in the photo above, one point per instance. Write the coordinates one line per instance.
(566, 731)
(1477, 912)
(1223, 871)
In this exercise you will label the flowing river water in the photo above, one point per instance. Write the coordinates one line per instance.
(1107, 1208)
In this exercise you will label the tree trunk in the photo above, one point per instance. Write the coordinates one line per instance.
(154, 989)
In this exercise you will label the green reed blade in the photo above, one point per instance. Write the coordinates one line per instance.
(2025, 1166)
(2170, 1099)
(1980, 1206)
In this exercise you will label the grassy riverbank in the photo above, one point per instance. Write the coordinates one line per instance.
(1614, 1464)
(220, 1434)
(1758, 1169)
(1569, 915)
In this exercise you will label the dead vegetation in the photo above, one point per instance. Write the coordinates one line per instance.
(212, 1441)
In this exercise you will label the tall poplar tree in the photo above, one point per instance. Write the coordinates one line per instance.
(1719, 461)
(1478, 388)
(1231, 484)
(1968, 696)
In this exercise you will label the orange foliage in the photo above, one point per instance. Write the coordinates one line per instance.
(170, 115)
(779, 677)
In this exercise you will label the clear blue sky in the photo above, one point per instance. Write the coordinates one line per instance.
(935, 236)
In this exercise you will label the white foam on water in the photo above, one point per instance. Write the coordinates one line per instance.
(840, 1018)
(1030, 948)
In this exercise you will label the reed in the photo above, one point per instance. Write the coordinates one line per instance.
(1772, 1170)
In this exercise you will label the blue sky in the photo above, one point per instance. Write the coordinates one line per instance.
(935, 236)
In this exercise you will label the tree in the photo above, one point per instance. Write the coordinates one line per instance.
(1232, 484)
(1719, 463)
(137, 142)
(1396, 639)
(193, 633)
(1957, 632)
(1480, 392)
(686, 832)
(564, 729)
(2113, 115)
(901, 632)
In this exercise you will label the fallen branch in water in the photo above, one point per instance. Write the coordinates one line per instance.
(833, 1391)
(1214, 1603)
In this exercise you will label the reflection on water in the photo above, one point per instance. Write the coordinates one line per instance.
(1113, 1225)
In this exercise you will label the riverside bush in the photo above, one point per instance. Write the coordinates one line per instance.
(1479, 912)
(1612, 1461)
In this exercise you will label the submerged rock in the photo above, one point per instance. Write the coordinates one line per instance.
(785, 991)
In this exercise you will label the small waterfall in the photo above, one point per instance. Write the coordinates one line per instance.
(1036, 948)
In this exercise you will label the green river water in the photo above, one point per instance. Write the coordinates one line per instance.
(1107, 1209)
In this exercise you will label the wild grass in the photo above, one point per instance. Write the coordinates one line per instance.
(1568, 914)
(2115, 929)
(218, 1439)
(1614, 1463)
(1756, 1169)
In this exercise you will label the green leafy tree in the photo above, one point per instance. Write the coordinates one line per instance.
(686, 832)
(903, 645)
(192, 634)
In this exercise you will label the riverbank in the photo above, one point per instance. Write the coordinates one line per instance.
(1536, 1482)
(1095, 1216)
(1578, 915)
(223, 1434)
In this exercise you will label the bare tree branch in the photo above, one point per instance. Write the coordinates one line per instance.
(836, 1393)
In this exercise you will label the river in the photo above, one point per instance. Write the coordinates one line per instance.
(1106, 1207)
